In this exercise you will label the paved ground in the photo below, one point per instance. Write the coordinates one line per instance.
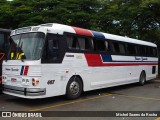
(121, 98)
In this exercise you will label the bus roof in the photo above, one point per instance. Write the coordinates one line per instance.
(60, 29)
(86, 32)
(130, 40)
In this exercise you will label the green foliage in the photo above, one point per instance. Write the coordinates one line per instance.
(133, 18)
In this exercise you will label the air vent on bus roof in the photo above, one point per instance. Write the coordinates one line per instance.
(47, 25)
(35, 29)
(22, 30)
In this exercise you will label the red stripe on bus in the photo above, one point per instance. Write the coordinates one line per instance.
(94, 60)
(26, 70)
(81, 31)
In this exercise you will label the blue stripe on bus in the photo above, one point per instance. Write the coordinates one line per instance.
(106, 58)
(98, 35)
(22, 70)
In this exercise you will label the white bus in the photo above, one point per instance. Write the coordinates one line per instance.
(53, 59)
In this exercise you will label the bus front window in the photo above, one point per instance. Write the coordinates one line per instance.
(26, 46)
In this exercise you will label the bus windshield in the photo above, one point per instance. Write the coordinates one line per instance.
(26, 46)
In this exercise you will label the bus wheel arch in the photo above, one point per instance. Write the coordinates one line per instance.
(74, 87)
(142, 78)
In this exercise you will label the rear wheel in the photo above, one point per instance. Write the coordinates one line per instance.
(74, 88)
(142, 78)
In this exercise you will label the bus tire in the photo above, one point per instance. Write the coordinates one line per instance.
(74, 88)
(142, 78)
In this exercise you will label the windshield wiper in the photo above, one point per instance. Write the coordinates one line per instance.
(21, 50)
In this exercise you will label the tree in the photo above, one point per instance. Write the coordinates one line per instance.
(6, 15)
(133, 18)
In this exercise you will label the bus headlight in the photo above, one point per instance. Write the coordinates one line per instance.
(25, 81)
(4, 79)
(35, 82)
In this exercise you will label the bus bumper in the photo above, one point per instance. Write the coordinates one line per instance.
(24, 91)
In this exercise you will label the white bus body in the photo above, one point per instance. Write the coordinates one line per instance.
(38, 75)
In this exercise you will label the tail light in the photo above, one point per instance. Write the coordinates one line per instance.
(4, 78)
(35, 82)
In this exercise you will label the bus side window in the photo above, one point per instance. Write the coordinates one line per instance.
(131, 49)
(52, 49)
(141, 50)
(115, 47)
(154, 50)
(100, 45)
(79, 43)
(151, 52)
(118, 48)
(72, 42)
(84, 43)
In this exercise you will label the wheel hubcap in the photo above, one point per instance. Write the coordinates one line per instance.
(74, 88)
(142, 79)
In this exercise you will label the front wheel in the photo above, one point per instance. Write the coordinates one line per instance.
(142, 79)
(74, 88)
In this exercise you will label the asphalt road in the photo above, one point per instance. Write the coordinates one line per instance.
(122, 98)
